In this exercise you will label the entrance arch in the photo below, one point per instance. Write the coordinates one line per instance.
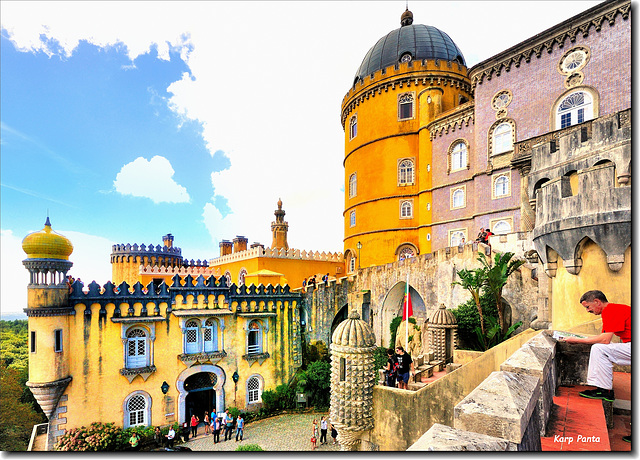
(393, 304)
(198, 379)
(342, 314)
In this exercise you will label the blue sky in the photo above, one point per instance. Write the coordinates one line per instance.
(129, 120)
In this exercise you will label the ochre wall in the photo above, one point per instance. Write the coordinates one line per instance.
(402, 416)
(567, 288)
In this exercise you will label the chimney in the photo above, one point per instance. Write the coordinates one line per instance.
(168, 240)
(240, 243)
(225, 247)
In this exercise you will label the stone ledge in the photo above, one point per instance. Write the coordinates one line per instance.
(444, 438)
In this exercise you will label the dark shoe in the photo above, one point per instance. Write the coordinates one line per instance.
(598, 393)
(626, 438)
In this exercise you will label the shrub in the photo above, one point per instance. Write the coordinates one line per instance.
(468, 320)
(97, 437)
(317, 383)
(249, 447)
(393, 328)
(380, 357)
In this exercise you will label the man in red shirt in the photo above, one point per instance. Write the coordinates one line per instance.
(616, 319)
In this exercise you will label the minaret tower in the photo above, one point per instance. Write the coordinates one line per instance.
(279, 228)
(48, 312)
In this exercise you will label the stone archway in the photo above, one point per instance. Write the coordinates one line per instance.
(392, 306)
(218, 388)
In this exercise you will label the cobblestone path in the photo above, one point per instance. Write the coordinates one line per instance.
(289, 432)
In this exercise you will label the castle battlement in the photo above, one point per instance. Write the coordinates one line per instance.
(197, 268)
(151, 250)
(279, 253)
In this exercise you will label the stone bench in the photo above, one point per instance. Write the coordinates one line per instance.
(420, 371)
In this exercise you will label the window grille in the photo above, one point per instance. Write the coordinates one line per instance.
(191, 336)
(406, 253)
(137, 408)
(136, 349)
(210, 335)
(253, 390)
(501, 227)
(352, 219)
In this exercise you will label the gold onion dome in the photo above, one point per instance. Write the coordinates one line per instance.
(47, 244)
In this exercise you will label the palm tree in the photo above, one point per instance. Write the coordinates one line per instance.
(472, 281)
(496, 278)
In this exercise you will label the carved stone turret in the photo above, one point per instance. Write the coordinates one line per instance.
(279, 229)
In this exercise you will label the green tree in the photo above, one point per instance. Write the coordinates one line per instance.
(318, 377)
(393, 328)
(496, 277)
(472, 281)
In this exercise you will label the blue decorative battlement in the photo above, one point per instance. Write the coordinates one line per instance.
(157, 294)
(144, 250)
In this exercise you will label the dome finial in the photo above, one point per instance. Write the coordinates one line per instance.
(407, 17)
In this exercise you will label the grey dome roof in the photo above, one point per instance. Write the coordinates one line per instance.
(422, 42)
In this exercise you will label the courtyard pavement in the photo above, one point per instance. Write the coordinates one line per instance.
(289, 432)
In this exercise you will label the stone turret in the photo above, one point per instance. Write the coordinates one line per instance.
(443, 331)
(279, 229)
(352, 381)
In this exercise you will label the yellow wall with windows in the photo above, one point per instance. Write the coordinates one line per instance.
(567, 288)
(374, 153)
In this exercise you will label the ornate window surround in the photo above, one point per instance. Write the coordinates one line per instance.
(462, 188)
(453, 232)
(402, 179)
(218, 325)
(147, 409)
(404, 248)
(595, 104)
(404, 206)
(260, 389)
(452, 147)
(406, 98)
(492, 130)
(494, 180)
(508, 220)
(353, 127)
(150, 331)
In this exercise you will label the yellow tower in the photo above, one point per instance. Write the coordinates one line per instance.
(48, 311)
(406, 80)
(279, 229)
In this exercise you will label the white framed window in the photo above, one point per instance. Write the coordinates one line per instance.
(137, 409)
(353, 127)
(137, 345)
(192, 336)
(501, 226)
(351, 263)
(459, 156)
(501, 185)
(457, 237)
(254, 338)
(502, 138)
(352, 218)
(241, 275)
(575, 108)
(406, 103)
(210, 335)
(405, 171)
(458, 198)
(254, 389)
(406, 209)
(353, 185)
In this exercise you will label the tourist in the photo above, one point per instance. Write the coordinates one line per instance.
(323, 430)
(314, 435)
(134, 441)
(482, 236)
(184, 432)
(195, 421)
(217, 424)
(239, 427)
(170, 436)
(228, 422)
(405, 367)
(616, 320)
(325, 278)
(304, 283)
(334, 433)
(391, 368)
(312, 281)
(207, 422)
(157, 436)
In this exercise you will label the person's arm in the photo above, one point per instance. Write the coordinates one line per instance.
(605, 337)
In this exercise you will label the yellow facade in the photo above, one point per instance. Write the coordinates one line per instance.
(374, 155)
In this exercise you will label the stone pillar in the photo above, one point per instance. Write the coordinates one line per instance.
(504, 405)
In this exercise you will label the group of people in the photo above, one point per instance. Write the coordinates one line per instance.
(216, 424)
(325, 426)
(312, 280)
(399, 368)
(483, 236)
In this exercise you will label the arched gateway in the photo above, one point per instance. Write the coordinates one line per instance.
(201, 388)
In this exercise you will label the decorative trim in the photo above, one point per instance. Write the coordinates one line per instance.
(138, 319)
(464, 192)
(212, 356)
(256, 314)
(404, 98)
(144, 372)
(198, 312)
(259, 358)
(49, 311)
(462, 116)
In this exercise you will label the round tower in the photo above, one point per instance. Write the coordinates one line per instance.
(406, 80)
(352, 379)
(48, 312)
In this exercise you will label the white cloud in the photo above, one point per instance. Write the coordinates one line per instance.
(91, 257)
(151, 179)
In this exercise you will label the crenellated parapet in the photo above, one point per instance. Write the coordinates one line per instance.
(134, 252)
(458, 118)
(280, 253)
(406, 75)
(246, 298)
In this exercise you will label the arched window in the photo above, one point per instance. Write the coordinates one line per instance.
(210, 335)
(254, 390)
(227, 275)
(405, 106)
(352, 218)
(406, 252)
(459, 156)
(241, 276)
(351, 261)
(501, 186)
(502, 138)
(457, 199)
(501, 227)
(353, 127)
(405, 172)
(191, 342)
(254, 338)
(457, 238)
(406, 210)
(353, 185)
(137, 411)
(137, 349)
(575, 108)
